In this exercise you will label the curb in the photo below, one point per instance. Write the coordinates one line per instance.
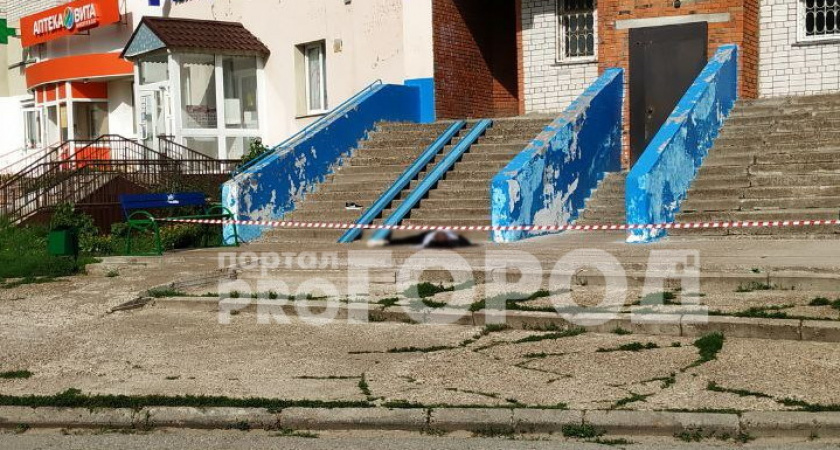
(665, 324)
(623, 422)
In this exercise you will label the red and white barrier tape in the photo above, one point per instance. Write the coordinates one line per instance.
(654, 226)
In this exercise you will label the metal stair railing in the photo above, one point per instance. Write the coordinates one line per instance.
(52, 178)
(433, 177)
(312, 128)
(193, 161)
(403, 181)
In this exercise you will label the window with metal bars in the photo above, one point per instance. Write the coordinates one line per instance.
(820, 18)
(576, 20)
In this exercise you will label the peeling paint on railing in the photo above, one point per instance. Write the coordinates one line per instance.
(659, 182)
(549, 182)
(272, 187)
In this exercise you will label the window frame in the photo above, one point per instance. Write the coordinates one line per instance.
(322, 65)
(802, 33)
(560, 40)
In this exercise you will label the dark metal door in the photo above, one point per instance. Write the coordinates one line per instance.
(664, 61)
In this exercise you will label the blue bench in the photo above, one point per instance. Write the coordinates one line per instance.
(138, 218)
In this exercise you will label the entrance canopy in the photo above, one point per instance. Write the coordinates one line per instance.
(193, 36)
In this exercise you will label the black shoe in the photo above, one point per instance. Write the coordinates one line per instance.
(352, 206)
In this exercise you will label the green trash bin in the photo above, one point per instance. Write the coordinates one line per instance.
(63, 242)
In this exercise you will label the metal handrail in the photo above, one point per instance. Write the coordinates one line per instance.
(433, 177)
(403, 181)
(312, 128)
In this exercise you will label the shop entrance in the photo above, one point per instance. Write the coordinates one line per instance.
(154, 120)
(476, 58)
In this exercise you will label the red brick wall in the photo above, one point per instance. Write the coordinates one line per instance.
(742, 29)
(476, 58)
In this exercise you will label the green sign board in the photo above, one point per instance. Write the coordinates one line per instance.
(6, 32)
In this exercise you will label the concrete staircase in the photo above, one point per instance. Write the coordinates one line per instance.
(462, 197)
(776, 159)
(606, 206)
(373, 167)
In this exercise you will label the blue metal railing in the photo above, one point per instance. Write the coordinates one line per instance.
(412, 171)
(325, 120)
(432, 178)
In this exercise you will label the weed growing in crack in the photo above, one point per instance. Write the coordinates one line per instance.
(581, 431)
(630, 347)
(570, 332)
(712, 386)
(365, 387)
(288, 432)
(388, 302)
(16, 375)
(753, 286)
(495, 432)
(632, 398)
(432, 349)
(708, 347)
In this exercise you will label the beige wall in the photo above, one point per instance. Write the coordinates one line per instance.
(365, 40)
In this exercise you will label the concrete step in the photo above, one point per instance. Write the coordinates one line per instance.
(437, 127)
(363, 197)
(459, 194)
(811, 232)
(756, 204)
(797, 168)
(760, 215)
(797, 157)
(819, 179)
(301, 236)
(758, 193)
(449, 221)
(722, 171)
(458, 185)
(721, 182)
(442, 204)
(716, 158)
(480, 213)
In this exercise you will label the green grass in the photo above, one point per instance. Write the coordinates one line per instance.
(765, 312)
(753, 286)
(16, 375)
(388, 302)
(432, 349)
(25, 281)
(23, 254)
(513, 302)
(552, 336)
(582, 431)
(822, 301)
(611, 441)
(809, 407)
(495, 432)
(365, 387)
(426, 290)
(288, 432)
(632, 398)
(694, 435)
(166, 292)
(630, 347)
(659, 298)
(74, 398)
(621, 331)
(712, 386)
(708, 347)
